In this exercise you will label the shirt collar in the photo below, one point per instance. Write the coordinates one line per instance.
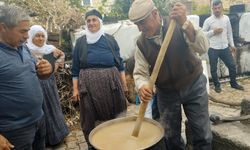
(217, 17)
(6, 46)
(157, 39)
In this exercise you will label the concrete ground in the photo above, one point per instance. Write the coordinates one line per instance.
(76, 141)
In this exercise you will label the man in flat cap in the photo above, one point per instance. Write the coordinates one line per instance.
(180, 80)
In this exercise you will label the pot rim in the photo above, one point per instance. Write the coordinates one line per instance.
(125, 119)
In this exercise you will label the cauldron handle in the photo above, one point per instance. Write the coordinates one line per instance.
(154, 75)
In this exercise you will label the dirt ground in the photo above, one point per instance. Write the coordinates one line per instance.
(231, 95)
(226, 103)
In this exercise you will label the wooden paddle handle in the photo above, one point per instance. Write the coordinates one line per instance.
(154, 75)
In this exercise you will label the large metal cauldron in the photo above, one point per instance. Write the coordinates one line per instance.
(108, 138)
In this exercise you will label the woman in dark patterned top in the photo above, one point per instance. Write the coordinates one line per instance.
(98, 75)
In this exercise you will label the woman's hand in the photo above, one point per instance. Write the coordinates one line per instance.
(124, 83)
(60, 56)
(76, 96)
(57, 53)
(5, 144)
(125, 87)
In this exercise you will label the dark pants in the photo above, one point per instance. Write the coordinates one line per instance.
(155, 110)
(31, 137)
(226, 56)
(194, 100)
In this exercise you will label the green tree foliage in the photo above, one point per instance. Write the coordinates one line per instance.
(162, 6)
(205, 9)
(165, 6)
(54, 15)
(76, 3)
(119, 10)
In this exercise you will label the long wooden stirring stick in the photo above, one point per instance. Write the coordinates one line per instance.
(154, 75)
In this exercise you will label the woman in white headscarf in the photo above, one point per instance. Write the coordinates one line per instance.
(98, 75)
(38, 46)
(56, 128)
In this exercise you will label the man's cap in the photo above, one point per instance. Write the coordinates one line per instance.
(93, 12)
(140, 9)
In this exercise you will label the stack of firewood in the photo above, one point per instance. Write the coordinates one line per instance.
(70, 109)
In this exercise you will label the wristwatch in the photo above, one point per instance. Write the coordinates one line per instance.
(185, 25)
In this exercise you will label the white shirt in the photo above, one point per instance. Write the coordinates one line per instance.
(222, 40)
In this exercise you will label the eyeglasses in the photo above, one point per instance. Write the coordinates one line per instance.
(144, 21)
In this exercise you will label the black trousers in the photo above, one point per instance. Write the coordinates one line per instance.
(226, 56)
(31, 137)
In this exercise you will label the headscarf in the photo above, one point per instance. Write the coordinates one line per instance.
(45, 49)
(93, 12)
(94, 37)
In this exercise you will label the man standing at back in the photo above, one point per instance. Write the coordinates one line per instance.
(219, 32)
(180, 81)
(21, 115)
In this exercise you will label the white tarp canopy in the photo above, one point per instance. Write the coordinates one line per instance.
(195, 19)
(125, 33)
(244, 26)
